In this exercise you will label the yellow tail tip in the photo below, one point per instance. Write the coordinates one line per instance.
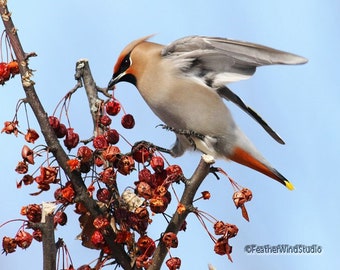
(289, 185)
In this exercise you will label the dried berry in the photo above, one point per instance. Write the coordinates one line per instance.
(32, 212)
(72, 139)
(105, 120)
(84, 153)
(85, 167)
(23, 239)
(173, 263)
(112, 107)
(27, 154)
(157, 164)
(142, 213)
(31, 136)
(13, 67)
(159, 178)
(22, 167)
(222, 247)
(219, 228)
(108, 176)
(11, 127)
(123, 237)
(103, 195)
(54, 122)
(143, 261)
(27, 179)
(170, 240)
(68, 193)
(174, 174)
(225, 229)
(111, 153)
(141, 153)
(101, 222)
(231, 230)
(8, 244)
(128, 121)
(126, 165)
(98, 161)
(160, 191)
(205, 195)
(158, 204)
(146, 245)
(48, 175)
(144, 190)
(97, 239)
(239, 198)
(60, 218)
(247, 193)
(112, 136)
(4, 72)
(100, 142)
(73, 164)
(145, 175)
(61, 131)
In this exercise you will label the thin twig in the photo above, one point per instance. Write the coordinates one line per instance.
(191, 187)
(50, 137)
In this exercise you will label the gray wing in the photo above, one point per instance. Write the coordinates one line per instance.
(218, 61)
(226, 93)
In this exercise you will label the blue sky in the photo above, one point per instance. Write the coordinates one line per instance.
(300, 102)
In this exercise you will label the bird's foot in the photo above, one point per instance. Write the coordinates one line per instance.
(189, 134)
(185, 132)
(149, 145)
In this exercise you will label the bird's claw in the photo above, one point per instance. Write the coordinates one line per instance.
(185, 132)
(151, 145)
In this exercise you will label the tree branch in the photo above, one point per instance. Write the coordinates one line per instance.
(191, 187)
(49, 135)
(83, 73)
(48, 243)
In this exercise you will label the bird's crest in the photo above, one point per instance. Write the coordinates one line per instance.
(127, 50)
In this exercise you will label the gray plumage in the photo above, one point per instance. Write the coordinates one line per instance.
(219, 61)
(184, 84)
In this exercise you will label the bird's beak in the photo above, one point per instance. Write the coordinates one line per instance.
(115, 79)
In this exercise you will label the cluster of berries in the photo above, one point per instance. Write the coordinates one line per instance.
(8, 70)
(130, 211)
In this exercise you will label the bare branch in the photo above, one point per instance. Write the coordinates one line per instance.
(84, 77)
(49, 135)
(191, 187)
(83, 73)
(48, 246)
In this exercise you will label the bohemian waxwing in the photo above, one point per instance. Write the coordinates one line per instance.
(184, 85)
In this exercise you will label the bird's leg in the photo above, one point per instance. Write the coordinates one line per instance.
(151, 145)
(187, 133)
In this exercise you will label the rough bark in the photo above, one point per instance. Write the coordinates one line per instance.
(84, 77)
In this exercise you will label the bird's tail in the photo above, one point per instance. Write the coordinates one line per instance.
(259, 164)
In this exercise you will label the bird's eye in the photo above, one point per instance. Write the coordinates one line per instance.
(125, 63)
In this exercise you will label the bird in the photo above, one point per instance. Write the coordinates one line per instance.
(185, 85)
